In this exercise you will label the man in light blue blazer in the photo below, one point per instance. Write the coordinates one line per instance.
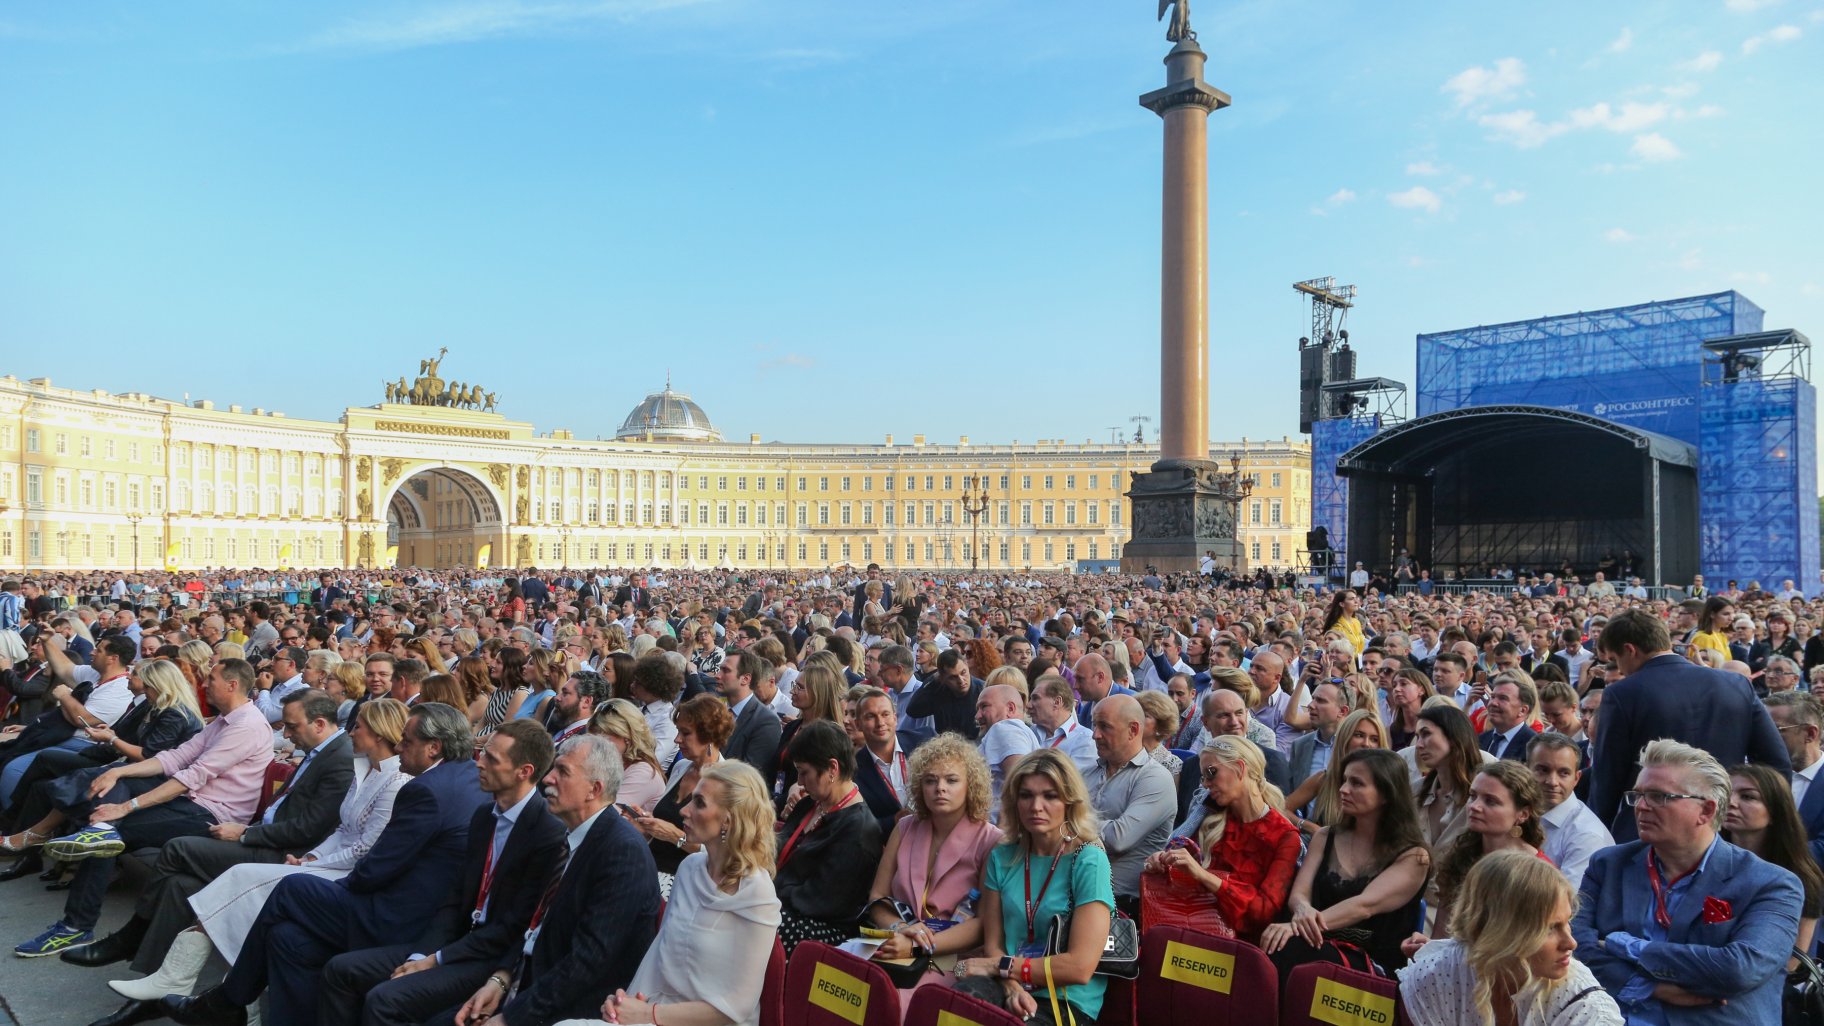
(1682, 927)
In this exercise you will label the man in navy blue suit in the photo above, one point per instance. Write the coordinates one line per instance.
(515, 844)
(1664, 696)
(1510, 698)
(882, 764)
(1799, 716)
(410, 871)
(1681, 926)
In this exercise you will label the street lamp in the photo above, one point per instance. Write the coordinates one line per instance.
(134, 519)
(975, 507)
(563, 556)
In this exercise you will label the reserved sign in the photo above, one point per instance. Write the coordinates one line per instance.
(1199, 967)
(838, 993)
(1343, 1005)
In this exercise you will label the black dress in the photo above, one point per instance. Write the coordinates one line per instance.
(1379, 936)
(666, 854)
(825, 876)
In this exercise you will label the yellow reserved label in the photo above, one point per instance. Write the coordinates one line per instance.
(838, 993)
(1199, 967)
(946, 1018)
(1342, 1005)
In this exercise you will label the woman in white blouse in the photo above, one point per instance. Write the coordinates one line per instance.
(227, 908)
(1509, 957)
(707, 966)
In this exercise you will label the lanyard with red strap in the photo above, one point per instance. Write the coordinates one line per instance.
(811, 822)
(1032, 903)
(1069, 725)
(487, 884)
(887, 777)
(1662, 889)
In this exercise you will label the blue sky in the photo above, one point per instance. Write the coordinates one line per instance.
(831, 221)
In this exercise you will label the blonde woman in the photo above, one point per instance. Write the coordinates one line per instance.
(817, 694)
(722, 914)
(1509, 960)
(194, 660)
(227, 907)
(934, 858)
(1013, 677)
(353, 677)
(1249, 848)
(1360, 729)
(1052, 837)
(642, 781)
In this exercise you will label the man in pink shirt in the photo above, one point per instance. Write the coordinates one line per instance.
(215, 777)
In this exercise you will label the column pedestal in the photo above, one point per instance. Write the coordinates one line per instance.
(1181, 510)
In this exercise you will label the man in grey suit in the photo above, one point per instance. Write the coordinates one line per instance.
(757, 728)
(1313, 751)
(305, 812)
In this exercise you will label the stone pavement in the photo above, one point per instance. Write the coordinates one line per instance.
(47, 991)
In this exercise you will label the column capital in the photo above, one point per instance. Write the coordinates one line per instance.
(1188, 93)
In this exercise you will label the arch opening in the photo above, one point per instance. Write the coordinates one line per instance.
(444, 517)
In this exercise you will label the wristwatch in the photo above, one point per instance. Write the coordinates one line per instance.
(1004, 968)
(680, 842)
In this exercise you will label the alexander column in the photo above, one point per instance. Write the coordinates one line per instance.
(1187, 505)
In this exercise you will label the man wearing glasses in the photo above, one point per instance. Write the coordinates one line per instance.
(1682, 926)
(1800, 718)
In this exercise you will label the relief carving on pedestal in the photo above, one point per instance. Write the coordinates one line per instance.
(497, 473)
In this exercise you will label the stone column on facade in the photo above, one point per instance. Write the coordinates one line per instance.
(1186, 505)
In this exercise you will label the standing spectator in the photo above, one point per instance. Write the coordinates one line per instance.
(1680, 925)
(1664, 697)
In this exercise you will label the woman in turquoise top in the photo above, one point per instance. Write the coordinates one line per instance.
(1050, 863)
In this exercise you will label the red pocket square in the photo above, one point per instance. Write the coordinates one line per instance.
(1716, 910)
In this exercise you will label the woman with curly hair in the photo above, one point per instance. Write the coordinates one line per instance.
(1503, 814)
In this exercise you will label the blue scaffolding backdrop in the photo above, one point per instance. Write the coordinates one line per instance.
(1644, 367)
(1635, 365)
(1330, 492)
(1758, 481)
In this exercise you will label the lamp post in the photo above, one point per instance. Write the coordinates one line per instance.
(133, 519)
(975, 506)
(563, 555)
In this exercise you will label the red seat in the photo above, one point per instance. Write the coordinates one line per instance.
(1118, 1002)
(827, 987)
(955, 1008)
(1186, 976)
(772, 992)
(277, 773)
(1341, 994)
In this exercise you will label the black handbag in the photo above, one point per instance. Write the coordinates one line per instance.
(1121, 952)
(1802, 1000)
(904, 972)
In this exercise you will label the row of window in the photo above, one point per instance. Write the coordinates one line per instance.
(86, 544)
(1088, 512)
(934, 552)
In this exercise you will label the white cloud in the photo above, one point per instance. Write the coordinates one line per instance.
(1474, 85)
(1509, 197)
(1632, 117)
(1709, 60)
(1811, 288)
(1654, 148)
(1521, 128)
(1623, 41)
(1681, 91)
(1783, 34)
(1708, 110)
(1416, 198)
(1751, 277)
(487, 19)
(1618, 235)
(1340, 197)
(1692, 260)
(1423, 167)
(1745, 6)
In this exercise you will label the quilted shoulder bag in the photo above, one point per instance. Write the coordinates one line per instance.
(1121, 952)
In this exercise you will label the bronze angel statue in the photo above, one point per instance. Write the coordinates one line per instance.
(1180, 25)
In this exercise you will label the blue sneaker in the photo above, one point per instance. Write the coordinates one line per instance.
(57, 939)
(95, 842)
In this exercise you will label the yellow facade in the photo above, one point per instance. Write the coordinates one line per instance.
(91, 479)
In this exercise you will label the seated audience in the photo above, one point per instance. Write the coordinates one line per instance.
(1680, 925)
(1134, 797)
(1314, 804)
(1358, 892)
(1763, 820)
(1250, 849)
(1509, 959)
(703, 726)
(642, 784)
(1050, 864)
(934, 858)
(823, 836)
(1503, 814)
(1572, 831)
(707, 965)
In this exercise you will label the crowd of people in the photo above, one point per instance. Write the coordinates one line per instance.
(536, 798)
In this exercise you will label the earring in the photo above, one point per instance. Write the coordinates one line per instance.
(725, 833)
(1514, 831)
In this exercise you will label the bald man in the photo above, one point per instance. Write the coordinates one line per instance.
(1134, 796)
(1224, 713)
(1005, 736)
(1095, 681)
